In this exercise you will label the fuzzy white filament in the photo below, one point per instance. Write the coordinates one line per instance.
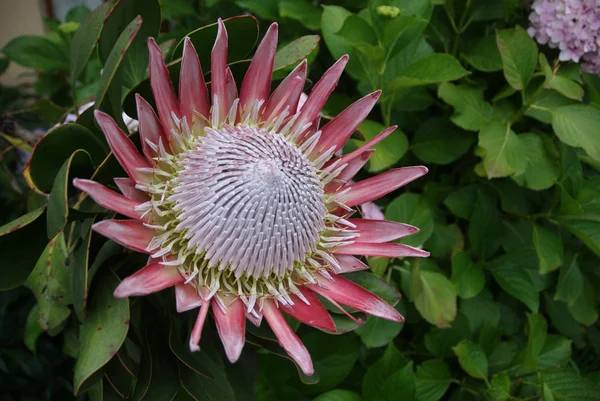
(249, 201)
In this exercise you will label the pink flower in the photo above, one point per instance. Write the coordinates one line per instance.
(240, 203)
(572, 26)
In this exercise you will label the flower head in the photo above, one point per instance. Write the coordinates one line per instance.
(572, 26)
(240, 202)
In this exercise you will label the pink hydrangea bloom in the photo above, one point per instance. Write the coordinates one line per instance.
(572, 26)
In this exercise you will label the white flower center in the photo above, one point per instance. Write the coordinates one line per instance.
(249, 202)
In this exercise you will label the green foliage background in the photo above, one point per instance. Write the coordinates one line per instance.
(505, 309)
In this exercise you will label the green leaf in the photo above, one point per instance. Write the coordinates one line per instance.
(500, 387)
(157, 380)
(303, 11)
(510, 275)
(135, 63)
(484, 55)
(333, 358)
(36, 52)
(462, 202)
(541, 171)
(108, 97)
(563, 85)
(586, 227)
(32, 330)
(28, 229)
(584, 308)
(504, 152)
(376, 285)
(467, 277)
(359, 33)
(56, 147)
(593, 86)
(103, 332)
(548, 247)
(519, 56)
(576, 126)
(49, 282)
(480, 311)
(432, 380)
(556, 352)
(266, 9)
(377, 374)
(339, 395)
(400, 385)
(570, 281)
(295, 51)
(438, 141)
(432, 69)
(485, 226)
(79, 271)
(85, 39)
(545, 102)
(434, 296)
(411, 209)
(472, 359)
(376, 332)
(387, 152)
(332, 21)
(471, 111)
(402, 31)
(536, 339)
(79, 165)
(568, 386)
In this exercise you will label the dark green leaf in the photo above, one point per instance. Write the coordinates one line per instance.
(570, 281)
(36, 52)
(333, 358)
(586, 227)
(432, 380)
(548, 247)
(79, 272)
(134, 64)
(510, 275)
(440, 142)
(108, 97)
(78, 165)
(56, 147)
(377, 374)
(339, 395)
(28, 229)
(536, 339)
(103, 332)
(467, 277)
(85, 39)
(484, 55)
(472, 359)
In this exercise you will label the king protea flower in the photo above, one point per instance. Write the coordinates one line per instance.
(241, 203)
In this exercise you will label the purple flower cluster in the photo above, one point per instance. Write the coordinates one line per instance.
(573, 26)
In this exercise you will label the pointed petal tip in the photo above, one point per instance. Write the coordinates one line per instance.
(194, 347)
(375, 95)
